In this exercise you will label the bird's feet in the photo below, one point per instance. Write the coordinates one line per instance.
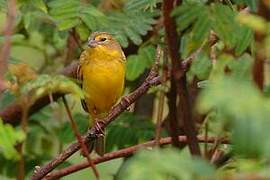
(125, 102)
(99, 128)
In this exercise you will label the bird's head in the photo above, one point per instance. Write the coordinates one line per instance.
(102, 39)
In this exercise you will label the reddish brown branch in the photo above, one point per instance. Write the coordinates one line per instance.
(178, 85)
(152, 80)
(5, 48)
(80, 140)
(260, 55)
(172, 46)
(123, 153)
(12, 113)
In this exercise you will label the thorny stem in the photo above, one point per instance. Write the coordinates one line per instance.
(80, 140)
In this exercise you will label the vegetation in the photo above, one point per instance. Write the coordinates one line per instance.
(205, 116)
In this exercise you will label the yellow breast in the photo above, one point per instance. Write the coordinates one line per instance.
(103, 79)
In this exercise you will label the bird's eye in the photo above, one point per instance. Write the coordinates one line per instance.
(103, 39)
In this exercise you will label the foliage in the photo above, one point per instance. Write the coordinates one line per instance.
(218, 17)
(136, 64)
(180, 166)
(8, 139)
(48, 35)
(128, 130)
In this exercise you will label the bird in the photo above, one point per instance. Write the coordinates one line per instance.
(101, 73)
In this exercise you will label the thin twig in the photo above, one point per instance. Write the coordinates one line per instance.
(206, 137)
(161, 101)
(80, 140)
(123, 153)
(5, 49)
(152, 80)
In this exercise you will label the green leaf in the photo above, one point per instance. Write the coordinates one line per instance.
(5, 98)
(40, 5)
(224, 24)
(82, 31)
(128, 130)
(66, 134)
(68, 23)
(135, 67)
(244, 39)
(200, 67)
(242, 108)
(166, 163)
(147, 54)
(8, 139)
(46, 84)
(136, 64)
(135, 25)
(14, 38)
(202, 26)
(141, 5)
(186, 14)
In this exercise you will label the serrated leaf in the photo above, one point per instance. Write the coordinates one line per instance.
(186, 14)
(141, 4)
(244, 39)
(148, 55)
(136, 64)
(201, 67)
(46, 84)
(68, 23)
(135, 67)
(82, 31)
(201, 26)
(224, 24)
(40, 5)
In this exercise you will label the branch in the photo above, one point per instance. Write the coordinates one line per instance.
(178, 85)
(261, 51)
(12, 113)
(123, 153)
(152, 80)
(5, 48)
(172, 49)
(79, 139)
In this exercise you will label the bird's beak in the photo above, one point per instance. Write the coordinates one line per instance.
(92, 43)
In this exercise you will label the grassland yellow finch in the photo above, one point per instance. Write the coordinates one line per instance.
(102, 74)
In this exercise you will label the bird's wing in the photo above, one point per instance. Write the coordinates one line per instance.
(80, 78)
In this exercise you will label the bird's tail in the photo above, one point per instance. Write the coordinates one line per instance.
(100, 145)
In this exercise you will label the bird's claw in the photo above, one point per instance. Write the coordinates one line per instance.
(99, 129)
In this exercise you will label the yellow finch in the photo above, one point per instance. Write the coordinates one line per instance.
(102, 74)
